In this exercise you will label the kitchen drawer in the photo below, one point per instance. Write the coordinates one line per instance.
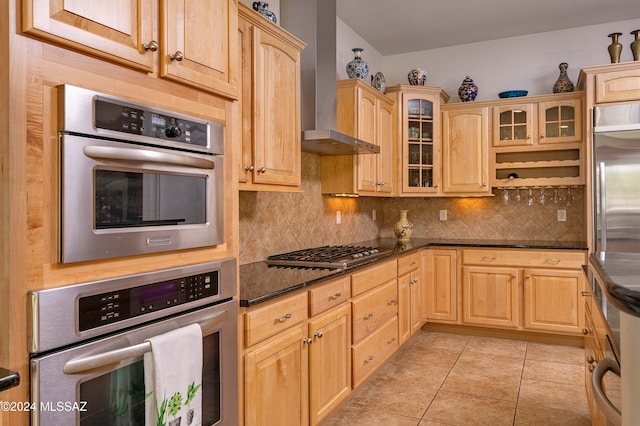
(266, 321)
(408, 263)
(372, 352)
(373, 309)
(328, 295)
(525, 258)
(373, 276)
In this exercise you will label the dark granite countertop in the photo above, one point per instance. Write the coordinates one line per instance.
(620, 278)
(259, 282)
(8, 379)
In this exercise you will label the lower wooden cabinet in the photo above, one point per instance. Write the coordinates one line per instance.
(372, 352)
(534, 290)
(329, 362)
(410, 296)
(439, 276)
(276, 381)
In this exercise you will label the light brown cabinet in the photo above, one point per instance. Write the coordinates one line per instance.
(410, 296)
(534, 290)
(269, 105)
(538, 142)
(465, 150)
(126, 33)
(419, 138)
(440, 285)
(366, 114)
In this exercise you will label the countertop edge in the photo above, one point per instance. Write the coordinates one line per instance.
(623, 298)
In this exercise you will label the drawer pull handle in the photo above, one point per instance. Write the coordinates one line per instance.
(368, 360)
(488, 259)
(335, 296)
(413, 263)
(586, 293)
(369, 315)
(391, 302)
(393, 339)
(283, 318)
(552, 261)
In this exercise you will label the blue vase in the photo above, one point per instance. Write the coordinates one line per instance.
(357, 68)
(468, 90)
(261, 8)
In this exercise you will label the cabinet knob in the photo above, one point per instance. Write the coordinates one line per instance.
(591, 368)
(262, 170)
(178, 56)
(585, 331)
(318, 334)
(249, 168)
(152, 46)
(436, 186)
(591, 359)
(528, 136)
(542, 136)
(513, 275)
(307, 341)
(527, 276)
(484, 184)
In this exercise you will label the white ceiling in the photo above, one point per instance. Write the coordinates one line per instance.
(401, 26)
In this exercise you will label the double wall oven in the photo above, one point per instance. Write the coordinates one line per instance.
(136, 179)
(87, 343)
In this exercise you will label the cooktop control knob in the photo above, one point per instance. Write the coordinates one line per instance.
(173, 131)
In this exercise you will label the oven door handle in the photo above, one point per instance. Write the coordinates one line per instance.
(610, 411)
(91, 362)
(144, 155)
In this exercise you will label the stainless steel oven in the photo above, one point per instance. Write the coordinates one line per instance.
(136, 179)
(87, 343)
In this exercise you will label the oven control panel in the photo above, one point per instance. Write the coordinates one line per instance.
(107, 308)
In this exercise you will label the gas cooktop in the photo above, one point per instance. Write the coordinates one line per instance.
(328, 257)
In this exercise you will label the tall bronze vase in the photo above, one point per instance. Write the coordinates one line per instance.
(615, 48)
(635, 45)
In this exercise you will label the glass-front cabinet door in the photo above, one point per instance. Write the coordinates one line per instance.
(560, 121)
(419, 145)
(513, 125)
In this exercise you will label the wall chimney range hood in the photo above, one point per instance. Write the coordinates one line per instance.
(314, 22)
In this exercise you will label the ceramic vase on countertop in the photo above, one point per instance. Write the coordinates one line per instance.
(468, 90)
(403, 228)
(563, 84)
(615, 48)
(357, 68)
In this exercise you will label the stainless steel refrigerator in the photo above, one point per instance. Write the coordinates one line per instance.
(616, 178)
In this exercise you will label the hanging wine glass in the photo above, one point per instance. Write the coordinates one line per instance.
(530, 199)
(570, 197)
(556, 198)
(543, 198)
(518, 197)
(505, 195)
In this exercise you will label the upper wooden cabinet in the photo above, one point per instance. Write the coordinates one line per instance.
(465, 146)
(366, 114)
(419, 143)
(195, 39)
(269, 104)
(610, 83)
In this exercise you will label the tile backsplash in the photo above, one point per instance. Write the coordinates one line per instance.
(275, 222)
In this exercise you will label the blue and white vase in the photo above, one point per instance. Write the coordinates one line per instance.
(357, 68)
(417, 77)
(261, 8)
(468, 90)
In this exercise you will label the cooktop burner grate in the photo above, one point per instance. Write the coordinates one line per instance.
(332, 257)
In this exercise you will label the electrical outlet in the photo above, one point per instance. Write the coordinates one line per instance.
(562, 215)
(443, 215)
(338, 217)
(373, 215)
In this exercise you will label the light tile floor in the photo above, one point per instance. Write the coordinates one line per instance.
(450, 379)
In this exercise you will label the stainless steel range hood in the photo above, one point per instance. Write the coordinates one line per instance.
(314, 22)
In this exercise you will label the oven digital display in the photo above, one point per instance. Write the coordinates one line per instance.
(158, 292)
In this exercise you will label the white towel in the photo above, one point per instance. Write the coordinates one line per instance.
(173, 378)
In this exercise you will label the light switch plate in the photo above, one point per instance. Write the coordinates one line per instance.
(443, 215)
(562, 215)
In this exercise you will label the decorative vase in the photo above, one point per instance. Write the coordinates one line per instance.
(635, 45)
(615, 48)
(468, 90)
(563, 83)
(261, 8)
(417, 77)
(357, 68)
(403, 228)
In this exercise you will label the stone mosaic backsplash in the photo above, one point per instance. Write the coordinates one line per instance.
(273, 222)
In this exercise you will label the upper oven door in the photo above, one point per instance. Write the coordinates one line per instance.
(120, 199)
(101, 382)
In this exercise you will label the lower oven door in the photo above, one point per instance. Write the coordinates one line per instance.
(104, 379)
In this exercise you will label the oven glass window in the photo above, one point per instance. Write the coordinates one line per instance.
(128, 199)
(118, 398)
